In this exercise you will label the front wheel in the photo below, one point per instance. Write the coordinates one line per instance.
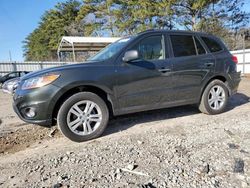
(214, 98)
(83, 116)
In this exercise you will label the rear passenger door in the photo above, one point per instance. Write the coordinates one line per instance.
(218, 50)
(191, 65)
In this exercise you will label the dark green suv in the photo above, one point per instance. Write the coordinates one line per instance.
(151, 70)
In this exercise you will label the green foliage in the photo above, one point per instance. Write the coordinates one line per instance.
(42, 43)
(117, 17)
(223, 18)
(191, 12)
(135, 16)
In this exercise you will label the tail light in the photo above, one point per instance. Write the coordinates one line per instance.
(235, 59)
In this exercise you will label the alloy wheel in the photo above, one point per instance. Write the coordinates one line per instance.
(216, 97)
(84, 117)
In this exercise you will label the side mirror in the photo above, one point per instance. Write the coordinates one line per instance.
(130, 55)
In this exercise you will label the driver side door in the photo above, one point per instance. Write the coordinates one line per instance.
(145, 83)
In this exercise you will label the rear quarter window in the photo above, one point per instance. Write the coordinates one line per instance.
(212, 44)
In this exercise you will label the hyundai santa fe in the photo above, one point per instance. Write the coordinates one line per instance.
(151, 70)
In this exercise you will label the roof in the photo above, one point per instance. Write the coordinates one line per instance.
(90, 39)
(173, 31)
(70, 43)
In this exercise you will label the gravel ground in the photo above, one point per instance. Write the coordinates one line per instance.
(177, 147)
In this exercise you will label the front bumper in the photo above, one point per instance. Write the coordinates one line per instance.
(42, 100)
(45, 123)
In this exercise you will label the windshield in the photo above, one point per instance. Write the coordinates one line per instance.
(110, 50)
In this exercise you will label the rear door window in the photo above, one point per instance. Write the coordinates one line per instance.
(212, 44)
(199, 47)
(183, 45)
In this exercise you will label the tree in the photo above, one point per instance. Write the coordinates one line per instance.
(220, 17)
(191, 12)
(122, 17)
(223, 18)
(229, 12)
(42, 43)
(98, 17)
(135, 15)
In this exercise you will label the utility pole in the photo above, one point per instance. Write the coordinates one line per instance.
(213, 19)
(10, 58)
(244, 56)
(245, 36)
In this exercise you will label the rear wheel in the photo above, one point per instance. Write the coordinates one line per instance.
(214, 98)
(83, 116)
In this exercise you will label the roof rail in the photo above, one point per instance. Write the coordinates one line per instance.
(148, 30)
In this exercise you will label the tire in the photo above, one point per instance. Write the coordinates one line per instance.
(207, 105)
(78, 122)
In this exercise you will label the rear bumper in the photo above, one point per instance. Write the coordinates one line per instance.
(234, 82)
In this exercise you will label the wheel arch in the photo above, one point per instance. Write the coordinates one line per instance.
(216, 77)
(106, 96)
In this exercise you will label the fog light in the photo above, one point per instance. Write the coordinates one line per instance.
(30, 112)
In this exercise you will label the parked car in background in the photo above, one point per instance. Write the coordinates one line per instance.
(151, 70)
(12, 75)
(10, 85)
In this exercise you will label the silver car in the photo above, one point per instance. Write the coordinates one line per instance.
(10, 85)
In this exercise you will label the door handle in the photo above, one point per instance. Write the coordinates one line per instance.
(209, 64)
(164, 70)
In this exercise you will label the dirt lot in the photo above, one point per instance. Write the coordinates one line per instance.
(177, 147)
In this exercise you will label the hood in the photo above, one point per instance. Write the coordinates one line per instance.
(60, 68)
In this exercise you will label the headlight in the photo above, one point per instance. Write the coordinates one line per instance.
(39, 81)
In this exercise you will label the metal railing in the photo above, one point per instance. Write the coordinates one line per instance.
(6, 67)
(243, 59)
